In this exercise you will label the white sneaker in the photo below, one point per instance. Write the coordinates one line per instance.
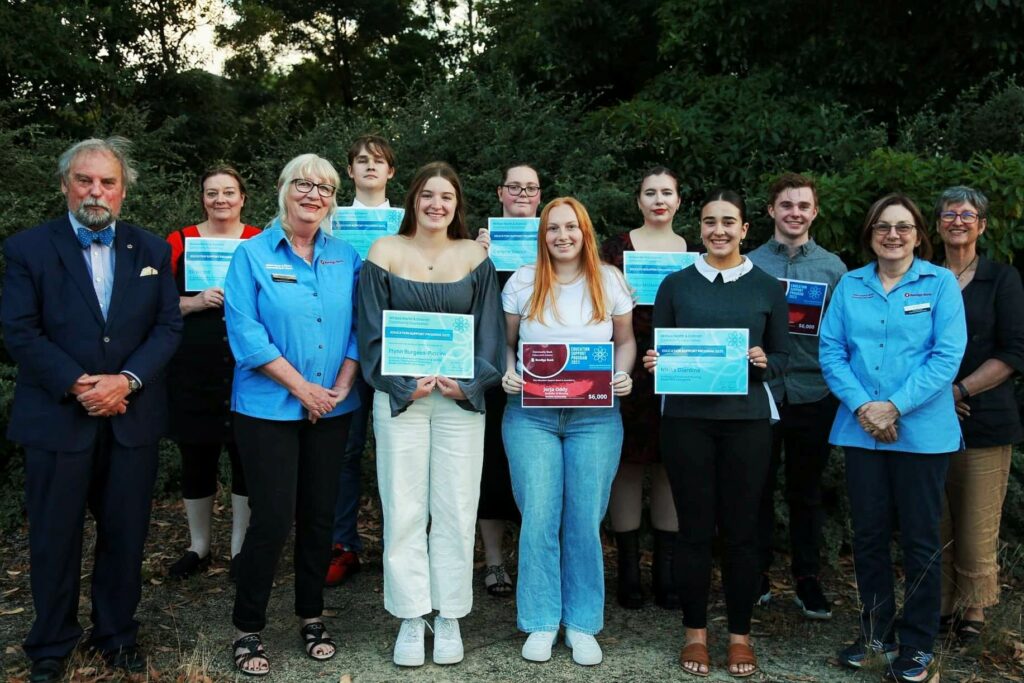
(537, 647)
(585, 650)
(447, 641)
(409, 648)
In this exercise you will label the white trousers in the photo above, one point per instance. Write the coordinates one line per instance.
(429, 460)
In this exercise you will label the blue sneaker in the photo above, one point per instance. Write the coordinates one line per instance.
(860, 653)
(912, 666)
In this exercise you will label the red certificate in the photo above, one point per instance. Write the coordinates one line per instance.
(568, 375)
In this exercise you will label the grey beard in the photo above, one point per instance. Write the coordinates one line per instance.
(91, 220)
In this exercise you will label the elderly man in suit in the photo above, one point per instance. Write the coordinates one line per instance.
(90, 315)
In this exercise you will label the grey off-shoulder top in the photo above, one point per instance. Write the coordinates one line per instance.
(476, 294)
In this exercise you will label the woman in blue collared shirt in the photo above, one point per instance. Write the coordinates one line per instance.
(289, 304)
(891, 344)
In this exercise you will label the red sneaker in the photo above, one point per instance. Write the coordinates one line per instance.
(344, 563)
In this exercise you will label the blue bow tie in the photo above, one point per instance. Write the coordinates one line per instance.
(86, 237)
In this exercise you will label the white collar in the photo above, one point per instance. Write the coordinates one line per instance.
(356, 204)
(728, 275)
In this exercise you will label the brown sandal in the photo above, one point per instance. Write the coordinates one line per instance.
(698, 654)
(741, 653)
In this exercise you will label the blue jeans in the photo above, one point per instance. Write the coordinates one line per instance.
(346, 509)
(562, 462)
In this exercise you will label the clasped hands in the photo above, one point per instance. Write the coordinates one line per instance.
(448, 387)
(102, 395)
(622, 383)
(319, 400)
(878, 419)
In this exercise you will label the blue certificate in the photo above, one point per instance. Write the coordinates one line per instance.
(362, 227)
(423, 344)
(701, 361)
(644, 270)
(206, 261)
(513, 242)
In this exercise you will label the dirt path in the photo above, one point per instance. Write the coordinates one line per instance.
(186, 629)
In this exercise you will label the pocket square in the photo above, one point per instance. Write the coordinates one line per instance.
(148, 270)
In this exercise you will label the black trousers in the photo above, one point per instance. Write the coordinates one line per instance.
(886, 487)
(716, 469)
(291, 468)
(200, 465)
(116, 484)
(803, 434)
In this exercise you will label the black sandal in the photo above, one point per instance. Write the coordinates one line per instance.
(502, 586)
(968, 631)
(252, 645)
(313, 634)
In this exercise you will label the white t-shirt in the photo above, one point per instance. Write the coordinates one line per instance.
(575, 310)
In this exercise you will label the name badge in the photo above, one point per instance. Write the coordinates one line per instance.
(284, 277)
(913, 309)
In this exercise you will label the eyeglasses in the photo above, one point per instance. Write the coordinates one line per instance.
(305, 186)
(902, 229)
(528, 190)
(966, 217)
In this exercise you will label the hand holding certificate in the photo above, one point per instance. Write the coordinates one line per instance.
(701, 361)
(419, 344)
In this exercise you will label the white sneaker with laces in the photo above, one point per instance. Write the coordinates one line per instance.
(447, 641)
(409, 647)
(585, 650)
(537, 647)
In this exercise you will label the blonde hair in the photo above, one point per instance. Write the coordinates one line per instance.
(590, 265)
(303, 166)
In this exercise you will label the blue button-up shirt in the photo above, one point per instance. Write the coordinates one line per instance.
(902, 346)
(277, 305)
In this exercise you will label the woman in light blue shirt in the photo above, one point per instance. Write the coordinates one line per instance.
(289, 305)
(891, 344)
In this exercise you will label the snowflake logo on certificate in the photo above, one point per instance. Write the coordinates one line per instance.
(460, 325)
(600, 355)
(735, 340)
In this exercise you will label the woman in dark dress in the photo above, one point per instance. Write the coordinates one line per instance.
(657, 197)
(201, 388)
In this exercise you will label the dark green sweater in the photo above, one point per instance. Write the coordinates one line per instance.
(755, 301)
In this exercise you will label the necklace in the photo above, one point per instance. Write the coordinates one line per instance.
(966, 268)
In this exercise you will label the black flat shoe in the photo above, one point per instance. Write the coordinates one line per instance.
(47, 670)
(190, 564)
(129, 660)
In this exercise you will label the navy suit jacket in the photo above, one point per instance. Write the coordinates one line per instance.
(55, 331)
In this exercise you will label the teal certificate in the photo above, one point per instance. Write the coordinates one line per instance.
(424, 344)
(644, 270)
(362, 227)
(206, 261)
(513, 242)
(701, 361)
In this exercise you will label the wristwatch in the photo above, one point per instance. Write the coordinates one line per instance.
(133, 384)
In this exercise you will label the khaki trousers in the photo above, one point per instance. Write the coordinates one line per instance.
(975, 489)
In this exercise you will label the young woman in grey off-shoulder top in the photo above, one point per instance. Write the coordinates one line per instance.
(430, 430)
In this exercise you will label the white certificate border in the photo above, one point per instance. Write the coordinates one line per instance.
(630, 255)
(611, 392)
(743, 330)
(184, 257)
(384, 342)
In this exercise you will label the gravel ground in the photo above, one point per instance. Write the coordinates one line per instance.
(186, 630)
